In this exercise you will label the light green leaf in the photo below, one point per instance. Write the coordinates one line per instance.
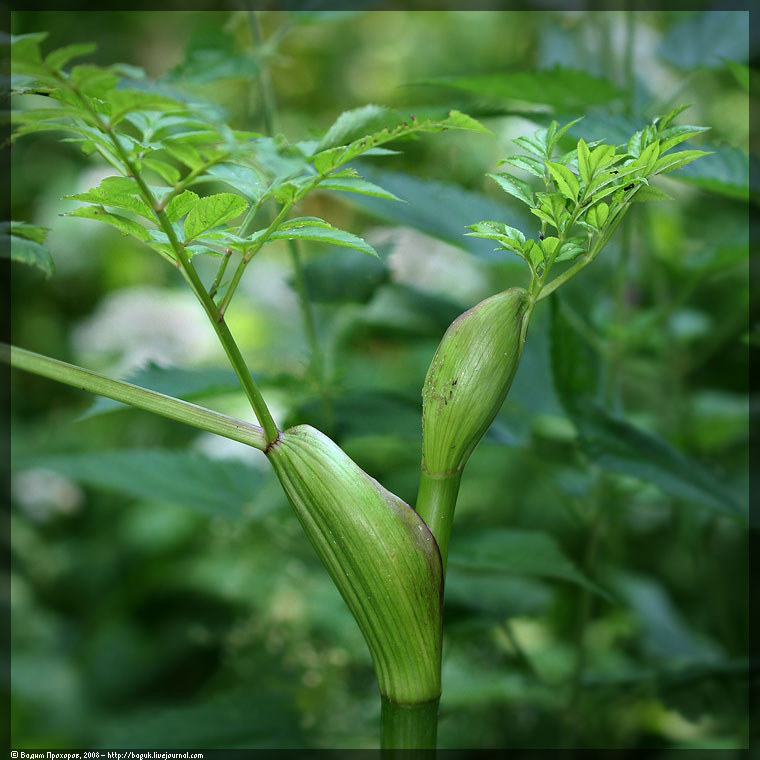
(332, 158)
(181, 205)
(459, 120)
(528, 163)
(322, 232)
(124, 225)
(25, 48)
(242, 178)
(532, 146)
(24, 244)
(212, 211)
(597, 215)
(59, 58)
(555, 133)
(357, 185)
(23, 229)
(548, 244)
(123, 100)
(661, 122)
(167, 172)
(518, 552)
(647, 159)
(571, 249)
(183, 151)
(675, 135)
(117, 193)
(514, 186)
(584, 165)
(356, 123)
(636, 143)
(601, 157)
(673, 161)
(497, 231)
(567, 182)
(651, 193)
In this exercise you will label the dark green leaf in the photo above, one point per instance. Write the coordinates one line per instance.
(707, 39)
(517, 552)
(122, 101)
(216, 487)
(439, 209)
(724, 171)
(59, 58)
(618, 446)
(741, 73)
(563, 88)
(334, 277)
(615, 444)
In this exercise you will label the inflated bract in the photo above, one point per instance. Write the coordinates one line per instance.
(469, 378)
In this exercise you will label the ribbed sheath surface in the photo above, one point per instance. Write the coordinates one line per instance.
(383, 559)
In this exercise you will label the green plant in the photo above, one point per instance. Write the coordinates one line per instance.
(338, 504)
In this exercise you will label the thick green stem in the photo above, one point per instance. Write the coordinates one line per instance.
(134, 395)
(408, 727)
(436, 499)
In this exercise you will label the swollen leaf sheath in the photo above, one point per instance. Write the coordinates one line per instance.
(380, 554)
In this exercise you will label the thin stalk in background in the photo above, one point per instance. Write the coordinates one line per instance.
(270, 118)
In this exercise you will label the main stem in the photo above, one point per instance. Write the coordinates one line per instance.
(408, 727)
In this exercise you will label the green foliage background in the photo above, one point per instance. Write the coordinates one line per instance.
(162, 592)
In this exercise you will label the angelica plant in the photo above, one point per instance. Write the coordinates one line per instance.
(387, 560)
